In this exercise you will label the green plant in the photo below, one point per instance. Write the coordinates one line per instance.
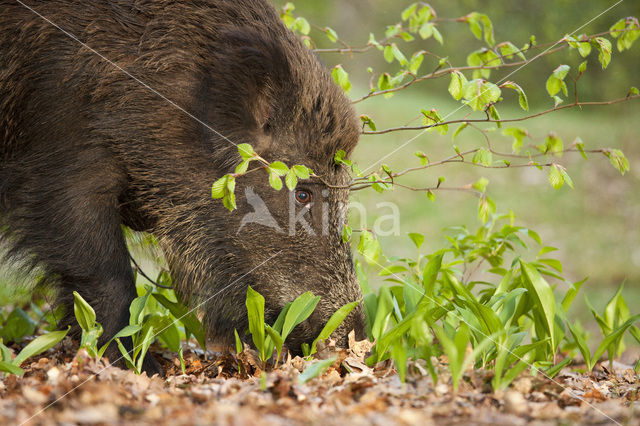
(266, 338)
(37, 346)
(435, 306)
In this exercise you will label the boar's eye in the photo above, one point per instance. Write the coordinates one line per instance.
(303, 197)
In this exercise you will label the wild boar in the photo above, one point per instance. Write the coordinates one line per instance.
(125, 112)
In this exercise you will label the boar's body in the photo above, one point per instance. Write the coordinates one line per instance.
(131, 127)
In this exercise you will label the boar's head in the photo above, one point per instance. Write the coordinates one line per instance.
(267, 89)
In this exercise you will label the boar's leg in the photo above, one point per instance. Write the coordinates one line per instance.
(68, 218)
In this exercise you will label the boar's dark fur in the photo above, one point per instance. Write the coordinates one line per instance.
(90, 141)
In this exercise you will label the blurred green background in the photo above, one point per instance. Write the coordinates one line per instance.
(596, 226)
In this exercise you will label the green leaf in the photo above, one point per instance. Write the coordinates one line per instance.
(301, 25)
(458, 80)
(278, 168)
(582, 67)
(483, 156)
(383, 312)
(416, 62)
(136, 308)
(518, 134)
(618, 160)
(127, 331)
(369, 247)
(126, 355)
(409, 11)
(522, 97)
(603, 46)
(341, 77)
(432, 118)
(219, 187)
(17, 326)
(275, 181)
(418, 239)
(555, 82)
(582, 344)
(479, 23)
(242, 167)
(246, 151)
(239, 347)
(430, 273)
(542, 294)
(331, 34)
(555, 177)
(346, 233)
(291, 180)
(554, 144)
(186, 317)
(508, 50)
(302, 172)
(276, 338)
(255, 312)
(437, 35)
(334, 322)
(11, 369)
(301, 308)
(315, 370)
(611, 338)
(398, 55)
(481, 184)
(147, 340)
(39, 345)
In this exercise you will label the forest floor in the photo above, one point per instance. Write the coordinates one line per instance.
(63, 386)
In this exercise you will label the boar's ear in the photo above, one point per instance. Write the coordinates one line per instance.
(255, 67)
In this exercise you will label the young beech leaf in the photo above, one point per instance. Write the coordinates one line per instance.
(246, 151)
(341, 77)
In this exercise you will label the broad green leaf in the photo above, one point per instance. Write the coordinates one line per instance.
(301, 308)
(255, 312)
(430, 274)
(39, 345)
(11, 369)
(542, 293)
(186, 317)
(334, 322)
(85, 315)
(383, 312)
(611, 338)
(136, 308)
